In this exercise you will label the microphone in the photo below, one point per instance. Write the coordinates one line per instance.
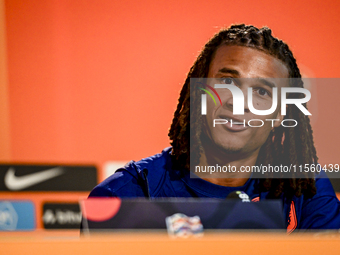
(239, 195)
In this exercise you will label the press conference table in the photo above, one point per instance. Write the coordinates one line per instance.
(62, 243)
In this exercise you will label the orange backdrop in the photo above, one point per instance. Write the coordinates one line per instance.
(91, 81)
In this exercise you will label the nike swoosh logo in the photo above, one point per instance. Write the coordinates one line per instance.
(14, 182)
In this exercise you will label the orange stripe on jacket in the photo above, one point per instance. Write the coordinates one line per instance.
(293, 221)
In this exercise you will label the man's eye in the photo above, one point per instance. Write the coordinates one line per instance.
(227, 80)
(263, 92)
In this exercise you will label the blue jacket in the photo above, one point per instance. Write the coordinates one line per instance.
(154, 177)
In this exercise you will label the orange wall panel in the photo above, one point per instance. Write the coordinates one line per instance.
(4, 101)
(91, 81)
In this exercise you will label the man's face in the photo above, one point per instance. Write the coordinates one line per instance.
(234, 65)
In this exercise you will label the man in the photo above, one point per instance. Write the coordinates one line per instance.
(246, 57)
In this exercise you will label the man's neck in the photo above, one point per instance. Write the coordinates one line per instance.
(232, 164)
(227, 182)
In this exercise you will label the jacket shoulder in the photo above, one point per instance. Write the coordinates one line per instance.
(119, 184)
(130, 180)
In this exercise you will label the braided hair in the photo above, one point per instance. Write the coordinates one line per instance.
(283, 146)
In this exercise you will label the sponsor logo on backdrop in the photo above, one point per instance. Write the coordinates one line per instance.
(61, 216)
(14, 182)
(47, 178)
(111, 167)
(8, 216)
(16, 215)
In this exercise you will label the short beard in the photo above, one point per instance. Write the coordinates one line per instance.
(213, 150)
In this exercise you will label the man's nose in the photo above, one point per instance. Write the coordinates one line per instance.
(229, 102)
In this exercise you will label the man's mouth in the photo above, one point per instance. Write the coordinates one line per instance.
(234, 125)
